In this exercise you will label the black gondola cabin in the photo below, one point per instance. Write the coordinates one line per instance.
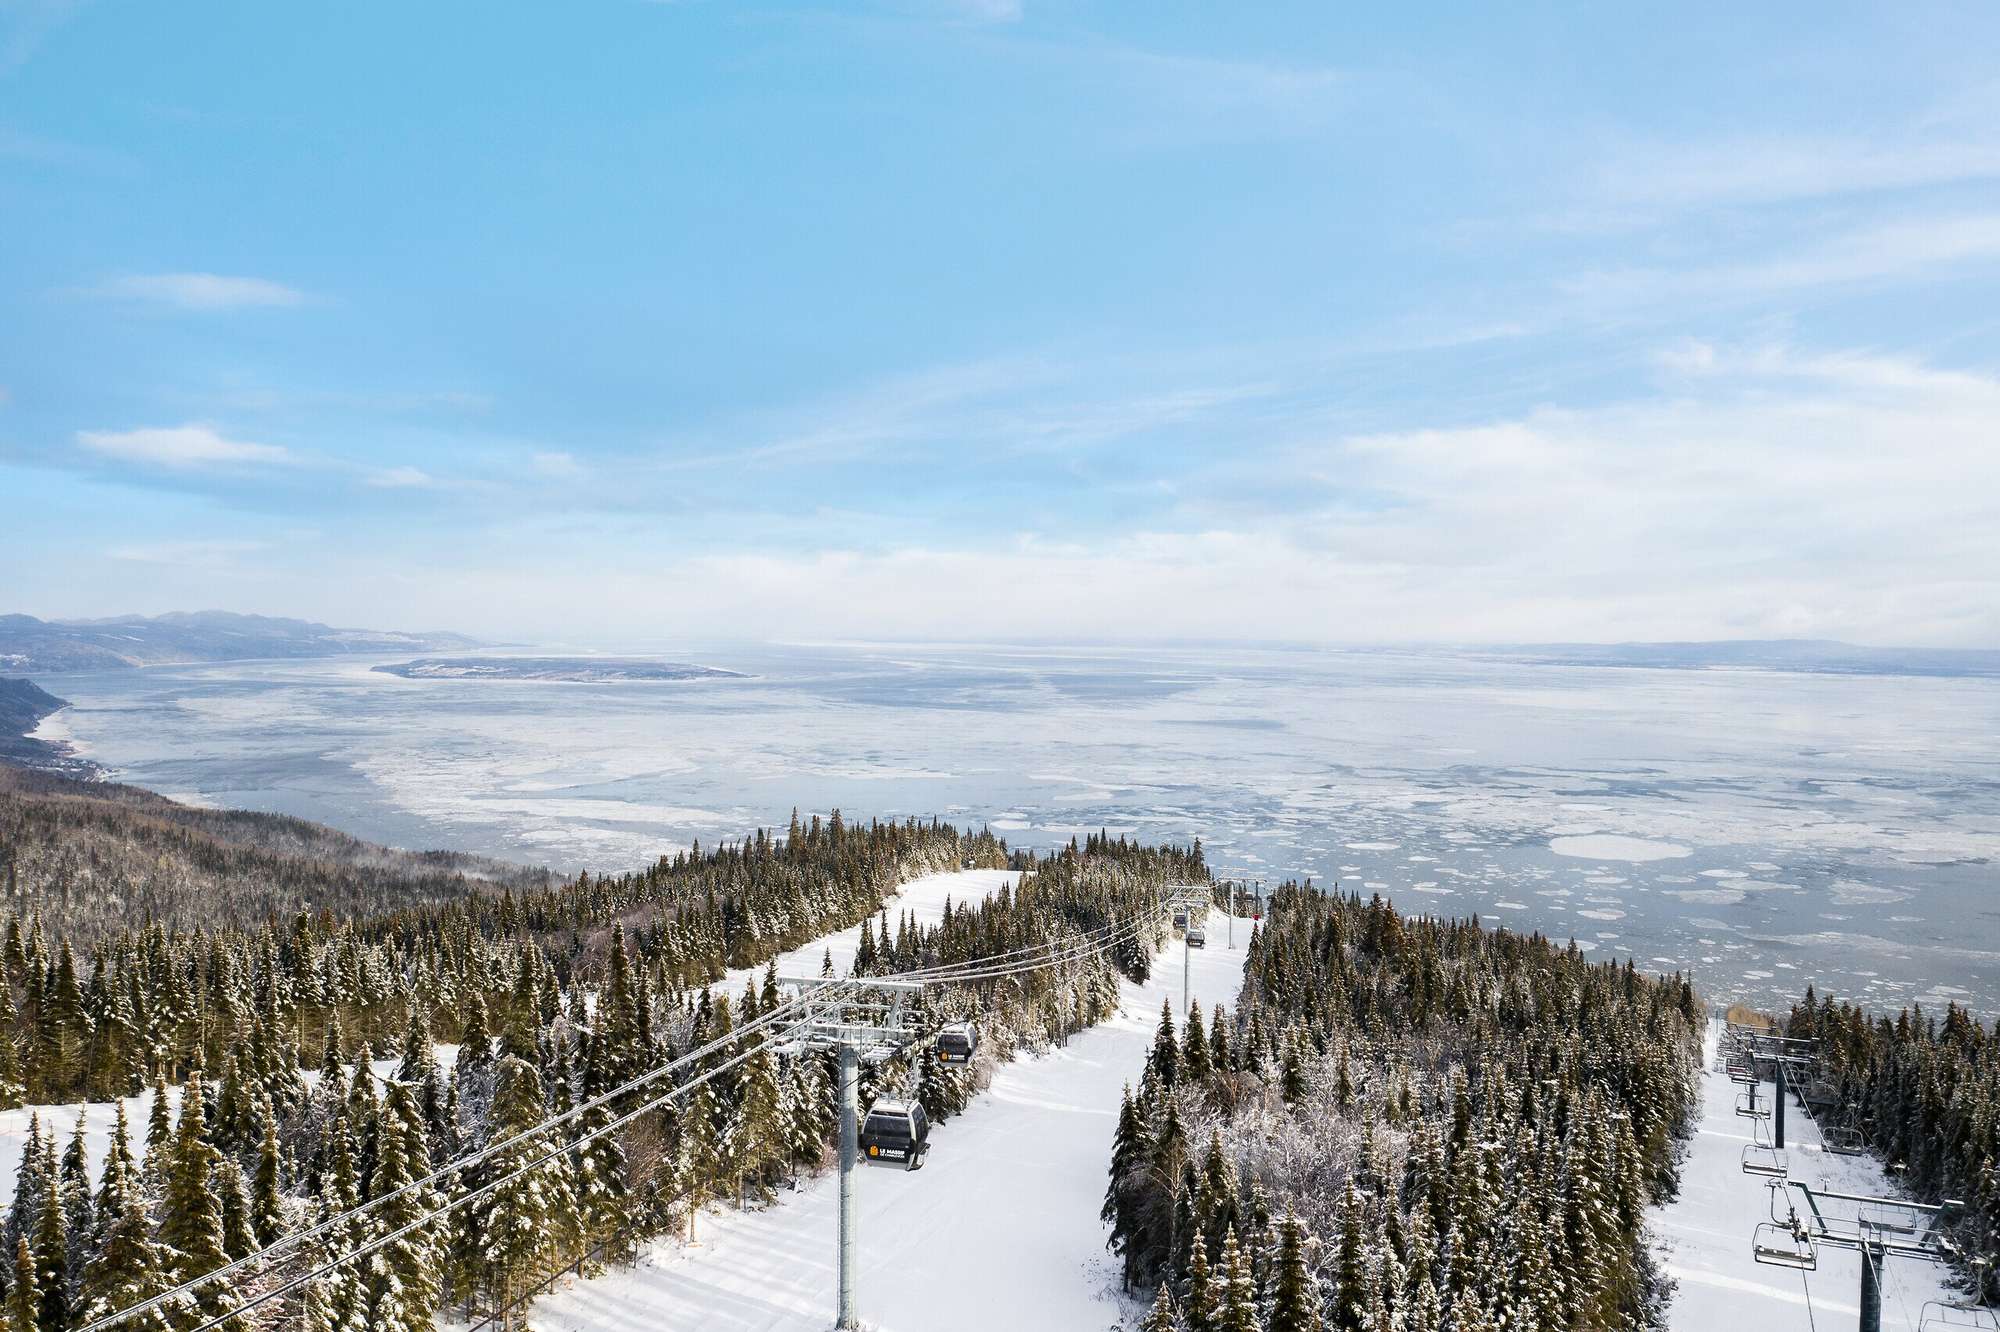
(895, 1131)
(957, 1043)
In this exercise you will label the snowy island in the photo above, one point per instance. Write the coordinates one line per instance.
(582, 670)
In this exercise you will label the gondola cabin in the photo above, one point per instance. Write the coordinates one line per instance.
(1180, 919)
(895, 1131)
(1197, 937)
(957, 1043)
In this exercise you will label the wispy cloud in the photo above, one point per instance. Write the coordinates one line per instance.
(201, 291)
(181, 447)
(187, 554)
(23, 24)
(989, 11)
(1898, 249)
(556, 464)
(1774, 169)
(401, 478)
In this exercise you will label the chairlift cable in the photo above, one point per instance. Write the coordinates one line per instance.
(288, 1242)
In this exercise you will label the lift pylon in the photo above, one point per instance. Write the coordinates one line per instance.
(862, 1021)
(1881, 1229)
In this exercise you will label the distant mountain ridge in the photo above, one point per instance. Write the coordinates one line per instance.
(1823, 656)
(189, 637)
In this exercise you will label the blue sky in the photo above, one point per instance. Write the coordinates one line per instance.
(1006, 319)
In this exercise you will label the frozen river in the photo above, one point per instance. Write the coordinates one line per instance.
(1762, 828)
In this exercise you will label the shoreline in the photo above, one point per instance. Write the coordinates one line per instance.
(46, 743)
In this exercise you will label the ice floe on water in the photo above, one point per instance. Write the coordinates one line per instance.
(1613, 846)
(1556, 778)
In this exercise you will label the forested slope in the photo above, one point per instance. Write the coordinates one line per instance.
(553, 1001)
(1410, 1124)
(97, 858)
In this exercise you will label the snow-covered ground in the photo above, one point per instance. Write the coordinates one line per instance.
(1706, 1231)
(999, 1230)
(922, 898)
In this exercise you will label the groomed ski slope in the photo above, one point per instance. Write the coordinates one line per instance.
(1705, 1232)
(997, 1233)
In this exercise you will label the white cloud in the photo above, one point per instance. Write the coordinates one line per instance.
(990, 11)
(180, 447)
(1904, 248)
(556, 464)
(1774, 169)
(202, 291)
(1763, 492)
(187, 554)
(401, 478)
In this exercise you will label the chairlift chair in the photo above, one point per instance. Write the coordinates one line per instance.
(1842, 1140)
(1748, 1107)
(1740, 1071)
(1944, 1316)
(1767, 1162)
(1778, 1245)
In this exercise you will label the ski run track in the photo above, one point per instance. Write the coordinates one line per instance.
(1704, 1233)
(999, 1231)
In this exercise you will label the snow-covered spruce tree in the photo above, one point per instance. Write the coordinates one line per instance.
(191, 1214)
(335, 1301)
(808, 1106)
(1238, 1311)
(125, 1266)
(1201, 1296)
(79, 1212)
(51, 1246)
(267, 1201)
(695, 1157)
(1161, 1317)
(401, 1278)
(13, 1090)
(1295, 1303)
(32, 1184)
(602, 1186)
(760, 1130)
(24, 1298)
(527, 1225)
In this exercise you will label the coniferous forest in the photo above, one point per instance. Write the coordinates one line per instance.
(1406, 1123)
(248, 1109)
(1925, 1094)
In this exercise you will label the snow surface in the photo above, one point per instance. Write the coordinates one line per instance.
(923, 898)
(999, 1230)
(1705, 1232)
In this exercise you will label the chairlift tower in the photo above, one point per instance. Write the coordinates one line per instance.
(860, 1020)
(1779, 1052)
(1881, 1229)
